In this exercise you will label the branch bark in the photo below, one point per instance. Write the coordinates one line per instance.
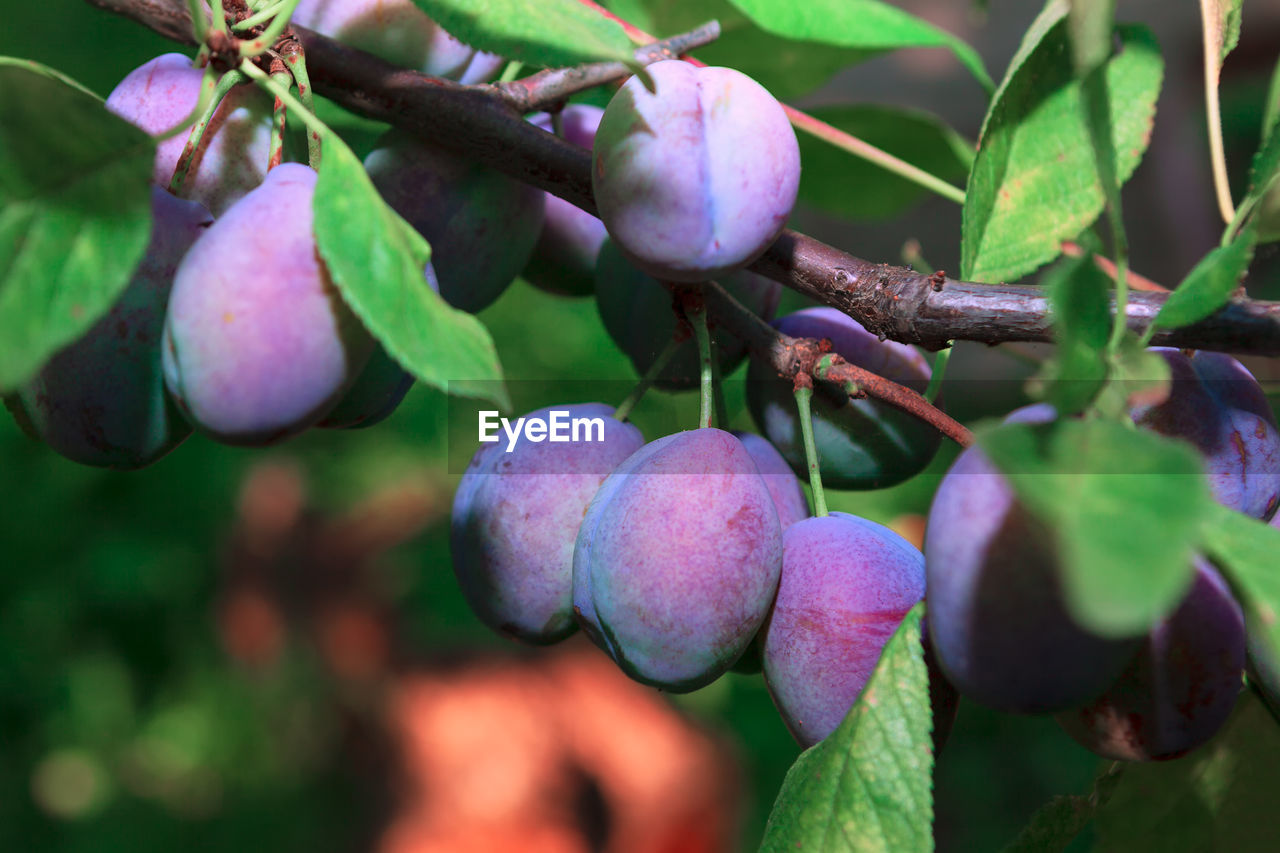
(485, 124)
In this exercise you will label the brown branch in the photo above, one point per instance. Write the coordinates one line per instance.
(554, 85)
(479, 122)
(794, 356)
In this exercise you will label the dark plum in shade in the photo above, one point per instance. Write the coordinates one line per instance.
(1217, 405)
(564, 259)
(677, 559)
(862, 444)
(258, 343)
(101, 400)
(639, 315)
(998, 619)
(515, 521)
(784, 488)
(232, 156)
(1179, 689)
(481, 225)
(846, 585)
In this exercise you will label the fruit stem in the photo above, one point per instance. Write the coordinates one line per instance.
(940, 362)
(260, 45)
(183, 167)
(199, 24)
(219, 22)
(717, 387)
(650, 376)
(804, 393)
(297, 65)
(696, 311)
(1213, 110)
(263, 79)
(265, 14)
(280, 112)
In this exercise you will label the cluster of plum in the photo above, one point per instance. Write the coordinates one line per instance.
(999, 622)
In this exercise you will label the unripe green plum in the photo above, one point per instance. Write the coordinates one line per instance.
(639, 314)
(862, 444)
(564, 260)
(677, 559)
(481, 225)
(998, 618)
(516, 516)
(697, 178)
(1179, 689)
(1216, 405)
(232, 157)
(101, 400)
(846, 585)
(399, 32)
(259, 344)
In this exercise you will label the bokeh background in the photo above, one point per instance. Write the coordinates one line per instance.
(267, 649)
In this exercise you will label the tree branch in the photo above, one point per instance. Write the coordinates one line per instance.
(483, 124)
(791, 356)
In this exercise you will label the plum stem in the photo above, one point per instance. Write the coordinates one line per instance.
(940, 362)
(804, 394)
(261, 16)
(279, 114)
(717, 388)
(272, 32)
(696, 311)
(297, 64)
(183, 167)
(650, 376)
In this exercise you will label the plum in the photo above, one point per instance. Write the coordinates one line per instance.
(481, 225)
(515, 521)
(1180, 687)
(564, 260)
(101, 400)
(232, 157)
(697, 178)
(846, 585)
(379, 388)
(638, 314)
(677, 559)
(1217, 405)
(862, 444)
(784, 488)
(399, 32)
(998, 619)
(258, 343)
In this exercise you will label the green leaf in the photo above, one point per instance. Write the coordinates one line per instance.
(1208, 287)
(1138, 376)
(856, 189)
(1245, 549)
(1056, 824)
(860, 24)
(1222, 797)
(1034, 181)
(75, 213)
(1080, 301)
(1126, 508)
(556, 33)
(867, 786)
(377, 261)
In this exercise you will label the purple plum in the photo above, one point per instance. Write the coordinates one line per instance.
(564, 260)
(846, 585)
(1217, 405)
(677, 559)
(697, 178)
(639, 315)
(101, 400)
(1179, 689)
(259, 344)
(232, 157)
(516, 516)
(784, 488)
(481, 225)
(399, 32)
(862, 444)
